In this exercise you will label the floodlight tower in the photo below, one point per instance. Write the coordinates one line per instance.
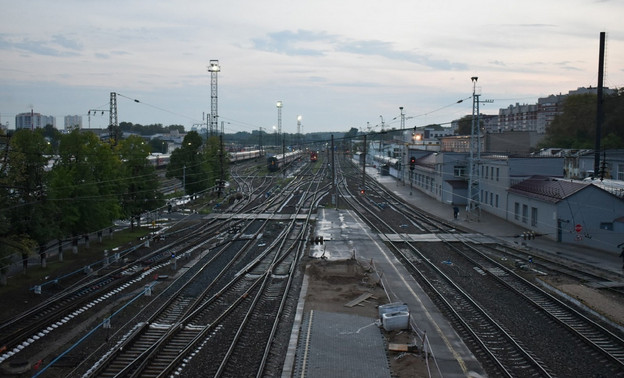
(113, 121)
(214, 69)
(279, 118)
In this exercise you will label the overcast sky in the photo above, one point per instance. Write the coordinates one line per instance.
(339, 64)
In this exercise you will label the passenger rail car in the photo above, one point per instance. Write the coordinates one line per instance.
(278, 161)
(388, 165)
(159, 160)
(244, 155)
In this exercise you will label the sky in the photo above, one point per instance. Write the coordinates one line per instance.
(337, 64)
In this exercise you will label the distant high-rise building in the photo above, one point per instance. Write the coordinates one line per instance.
(73, 122)
(33, 121)
(537, 117)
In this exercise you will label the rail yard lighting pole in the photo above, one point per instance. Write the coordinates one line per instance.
(279, 127)
(214, 69)
(299, 131)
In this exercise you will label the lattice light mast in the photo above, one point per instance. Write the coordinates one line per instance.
(214, 69)
(279, 118)
(113, 121)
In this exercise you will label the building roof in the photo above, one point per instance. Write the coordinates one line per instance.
(547, 189)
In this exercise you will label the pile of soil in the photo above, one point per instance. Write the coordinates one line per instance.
(333, 284)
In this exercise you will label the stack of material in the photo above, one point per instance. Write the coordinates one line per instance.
(394, 316)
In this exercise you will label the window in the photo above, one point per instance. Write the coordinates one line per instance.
(491, 199)
(533, 216)
(516, 211)
(606, 226)
(492, 173)
(497, 173)
(525, 213)
(459, 171)
(496, 201)
(620, 172)
(486, 172)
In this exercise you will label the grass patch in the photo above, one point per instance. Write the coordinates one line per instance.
(36, 275)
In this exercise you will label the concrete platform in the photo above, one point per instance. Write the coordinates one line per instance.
(346, 236)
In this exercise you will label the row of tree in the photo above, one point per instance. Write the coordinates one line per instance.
(67, 185)
(575, 127)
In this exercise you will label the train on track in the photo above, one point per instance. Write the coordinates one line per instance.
(313, 156)
(159, 160)
(278, 161)
(244, 155)
(388, 165)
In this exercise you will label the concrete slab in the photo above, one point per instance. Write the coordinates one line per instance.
(341, 345)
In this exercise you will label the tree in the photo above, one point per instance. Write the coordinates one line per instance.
(464, 125)
(29, 211)
(85, 183)
(158, 145)
(141, 185)
(575, 126)
(188, 164)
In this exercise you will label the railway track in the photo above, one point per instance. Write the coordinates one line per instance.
(250, 292)
(462, 290)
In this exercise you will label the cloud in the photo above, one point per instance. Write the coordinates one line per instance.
(385, 49)
(310, 43)
(57, 45)
(291, 43)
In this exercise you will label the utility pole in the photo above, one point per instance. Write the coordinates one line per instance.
(364, 166)
(381, 137)
(221, 178)
(474, 182)
(473, 174)
(334, 173)
(599, 111)
(283, 157)
(403, 152)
